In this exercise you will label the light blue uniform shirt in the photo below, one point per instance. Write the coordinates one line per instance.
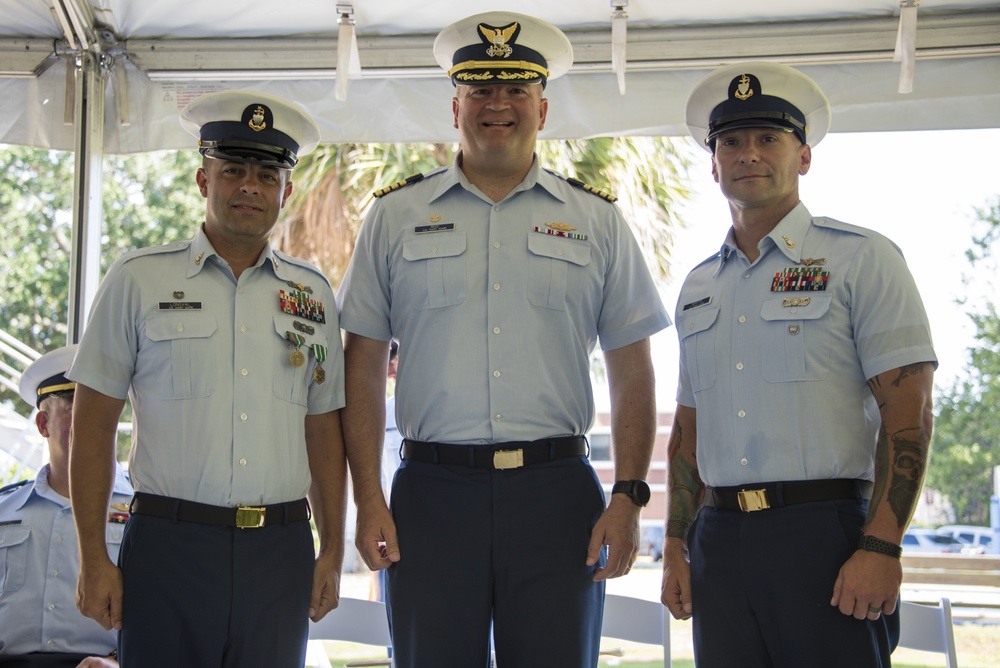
(39, 563)
(495, 314)
(779, 377)
(219, 408)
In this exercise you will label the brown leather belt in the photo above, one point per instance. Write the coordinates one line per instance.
(243, 517)
(765, 495)
(497, 456)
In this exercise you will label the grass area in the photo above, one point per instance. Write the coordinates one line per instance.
(978, 647)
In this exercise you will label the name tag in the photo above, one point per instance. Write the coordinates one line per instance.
(700, 302)
(180, 306)
(440, 227)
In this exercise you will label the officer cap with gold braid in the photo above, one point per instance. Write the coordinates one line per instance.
(757, 95)
(502, 47)
(248, 126)
(46, 376)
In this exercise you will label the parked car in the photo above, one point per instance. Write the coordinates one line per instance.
(931, 541)
(651, 539)
(972, 535)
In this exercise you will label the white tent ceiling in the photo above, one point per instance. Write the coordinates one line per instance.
(156, 55)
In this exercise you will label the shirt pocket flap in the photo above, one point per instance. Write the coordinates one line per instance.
(560, 248)
(697, 321)
(180, 325)
(435, 245)
(13, 536)
(809, 307)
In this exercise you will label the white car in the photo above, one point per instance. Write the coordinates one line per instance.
(929, 541)
(972, 535)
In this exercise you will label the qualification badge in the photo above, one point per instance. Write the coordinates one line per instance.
(296, 358)
(319, 375)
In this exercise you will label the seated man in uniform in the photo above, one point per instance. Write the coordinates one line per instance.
(39, 562)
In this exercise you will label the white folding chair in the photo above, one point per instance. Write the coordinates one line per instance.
(928, 628)
(355, 620)
(636, 620)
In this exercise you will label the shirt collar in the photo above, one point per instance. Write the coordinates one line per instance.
(202, 250)
(535, 177)
(787, 236)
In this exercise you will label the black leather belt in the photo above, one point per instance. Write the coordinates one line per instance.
(244, 517)
(511, 455)
(765, 495)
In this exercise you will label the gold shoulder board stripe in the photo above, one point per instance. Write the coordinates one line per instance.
(396, 186)
(592, 190)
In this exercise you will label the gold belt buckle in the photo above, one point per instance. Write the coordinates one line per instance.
(508, 459)
(250, 518)
(753, 499)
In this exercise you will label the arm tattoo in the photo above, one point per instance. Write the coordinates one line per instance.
(908, 462)
(686, 488)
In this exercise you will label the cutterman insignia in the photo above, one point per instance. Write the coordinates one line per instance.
(564, 227)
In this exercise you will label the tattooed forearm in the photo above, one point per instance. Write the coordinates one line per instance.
(909, 461)
(685, 487)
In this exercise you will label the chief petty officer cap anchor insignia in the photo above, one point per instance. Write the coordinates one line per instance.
(248, 126)
(757, 95)
(46, 376)
(502, 47)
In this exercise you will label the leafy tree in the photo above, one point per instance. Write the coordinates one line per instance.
(148, 199)
(966, 443)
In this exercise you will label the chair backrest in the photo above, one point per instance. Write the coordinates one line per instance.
(637, 620)
(354, 620)
(928, 628)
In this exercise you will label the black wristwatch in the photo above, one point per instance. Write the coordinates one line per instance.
(873, 544)
(637, 490)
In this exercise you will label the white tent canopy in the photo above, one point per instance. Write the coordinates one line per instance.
(151, 57)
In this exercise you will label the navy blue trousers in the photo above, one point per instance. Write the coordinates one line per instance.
(504, 546)
(205, 596)
(761, 586)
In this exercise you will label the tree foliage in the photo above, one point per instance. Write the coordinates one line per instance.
(966, 443)
(147, 199)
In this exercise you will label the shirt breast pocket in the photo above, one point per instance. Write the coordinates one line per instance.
(435, 269)
(13, 557)
(188, 343)
(291, 383)
(550, 268)
(796, 341)
(696, 330)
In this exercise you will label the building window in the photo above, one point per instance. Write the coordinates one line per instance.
(600, 447)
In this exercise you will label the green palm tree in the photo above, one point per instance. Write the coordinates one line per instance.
(333, 187)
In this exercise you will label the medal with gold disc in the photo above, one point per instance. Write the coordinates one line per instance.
(319, 374)
(296, 358)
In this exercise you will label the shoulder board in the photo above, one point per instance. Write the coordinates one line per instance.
(833, 224)
(304, 264)
(156, 250)
(11, 487)
(591, 189)
(381, 192)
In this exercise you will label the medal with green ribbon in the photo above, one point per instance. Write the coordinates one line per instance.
(319, 375)
(296, 358)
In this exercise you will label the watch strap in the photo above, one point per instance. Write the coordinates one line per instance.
(873, 544)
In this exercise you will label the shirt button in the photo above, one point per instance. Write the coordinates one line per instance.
(743, 319)
(739, 366)
(496, 373)
(58, 539)
(244, 372)
(498, 417)
(561, 252)
(243, 416)
(742, 414)
(180, 328)
(496, 244)
(496, 208)
(743, 461)
(434, 249)
(49, 643)
(496, 330)
(746, 275)
(793, 310)
(55, 573)
(496, 286)
(243, 462)
(243, 328)
(239, 290)
(51, 607)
